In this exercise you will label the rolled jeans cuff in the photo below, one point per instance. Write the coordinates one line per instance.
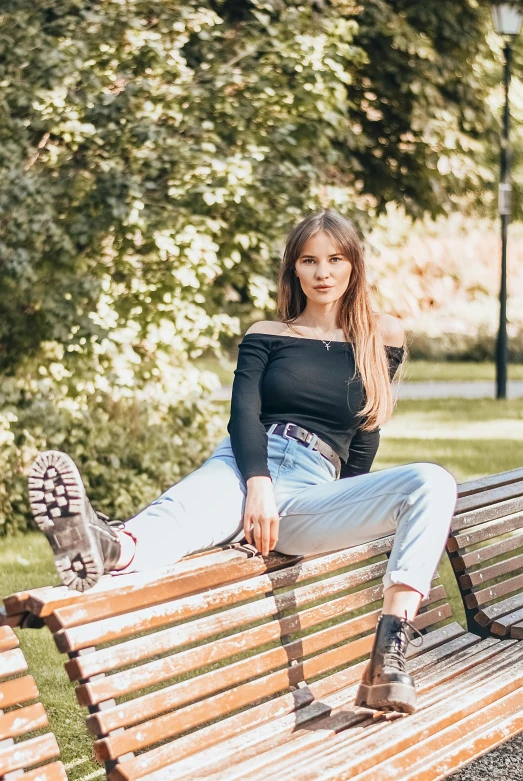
(397, 577)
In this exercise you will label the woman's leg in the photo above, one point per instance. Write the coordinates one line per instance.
(202, 510)
(415, 502)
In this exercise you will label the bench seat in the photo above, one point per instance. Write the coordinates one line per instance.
(20, 717)
(228, 665)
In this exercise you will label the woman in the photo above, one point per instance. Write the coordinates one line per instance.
(309, 396)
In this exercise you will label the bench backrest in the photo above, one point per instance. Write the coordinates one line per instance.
(20, 716)
(486, 551)
(169, 664)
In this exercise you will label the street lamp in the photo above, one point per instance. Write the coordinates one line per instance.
(507, 21)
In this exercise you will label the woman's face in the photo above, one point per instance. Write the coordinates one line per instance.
(321, 263)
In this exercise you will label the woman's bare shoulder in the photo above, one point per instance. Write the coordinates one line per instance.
(266, 327)
(392, 330)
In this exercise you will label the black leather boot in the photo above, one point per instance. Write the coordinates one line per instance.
(385, 684)
(84, 544)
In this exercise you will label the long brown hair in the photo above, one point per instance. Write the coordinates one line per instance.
(356, 317)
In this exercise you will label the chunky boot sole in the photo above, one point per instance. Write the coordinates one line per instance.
(58, 503)
(387, 697)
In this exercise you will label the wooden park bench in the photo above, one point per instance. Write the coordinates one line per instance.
(232, 666)
(19, 751)
(486, 550)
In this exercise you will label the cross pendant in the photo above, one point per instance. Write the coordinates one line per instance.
(327, 346)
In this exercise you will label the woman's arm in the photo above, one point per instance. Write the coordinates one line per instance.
(249, 439)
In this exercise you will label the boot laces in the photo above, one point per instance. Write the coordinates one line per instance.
(398, 642)
(107, 520)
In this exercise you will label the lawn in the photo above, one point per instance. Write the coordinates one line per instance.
(470, 438)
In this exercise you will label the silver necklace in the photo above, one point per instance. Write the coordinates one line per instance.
(326, 344)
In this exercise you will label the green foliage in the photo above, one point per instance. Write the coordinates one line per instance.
(128, 451)
(153, 155)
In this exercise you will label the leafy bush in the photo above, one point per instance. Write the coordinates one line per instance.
(127, 450)
(451, 346)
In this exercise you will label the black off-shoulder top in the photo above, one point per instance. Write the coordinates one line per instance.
(290, 378)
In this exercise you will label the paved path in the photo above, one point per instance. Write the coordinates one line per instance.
(477, 389)
(503, 764)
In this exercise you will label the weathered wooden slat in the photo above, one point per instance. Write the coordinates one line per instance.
(16, 603)
(484, 596)
(120, 743)
(271, 749)
(8, 639)
(204, 684)
(53, 772)
(17, 691)
(106, 630)
(169, 667)
(490, 481)
(517, 631)
(148, 733)
(303, 745)
(469, 660)
(249, 727)
(453, 747)
(46, 599)
(240, 726)
(492, 612)
(11, 621)
(163, 727)
(269, 754)
(488, 512)
(501, 627)
(230, 675)
(234, 566)
(461, 563)
(12, 662)
(22, 720)
(485, 532)
(277, 750)
(150, 705)
(335, 761)
(489, 496)
(481, 576)
(27, 753)
(132, 651)
(307, 569)
(442, 764)
(194, 658)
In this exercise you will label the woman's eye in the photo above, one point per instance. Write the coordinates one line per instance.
(306, 260)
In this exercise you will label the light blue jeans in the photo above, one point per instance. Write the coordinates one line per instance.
(318, 513)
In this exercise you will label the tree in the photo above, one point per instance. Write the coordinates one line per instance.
(153, 155)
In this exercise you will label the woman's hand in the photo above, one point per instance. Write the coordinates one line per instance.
(260, 518)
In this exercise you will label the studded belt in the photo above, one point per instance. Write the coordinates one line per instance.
(293, 431)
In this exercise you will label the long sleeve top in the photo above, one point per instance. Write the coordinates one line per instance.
(289, 378)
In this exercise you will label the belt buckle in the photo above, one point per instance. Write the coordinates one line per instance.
(284, 432)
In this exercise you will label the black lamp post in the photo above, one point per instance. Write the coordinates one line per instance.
(507, 21)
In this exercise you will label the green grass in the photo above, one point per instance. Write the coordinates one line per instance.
(26, 562)
(413, 371)
(469, 437)
(456, 371)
